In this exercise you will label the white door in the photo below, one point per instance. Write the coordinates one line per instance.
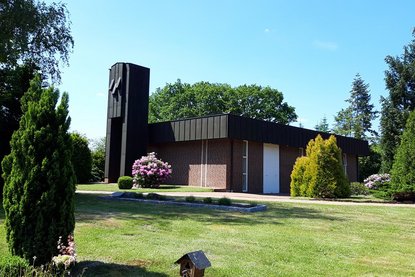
(271, 168)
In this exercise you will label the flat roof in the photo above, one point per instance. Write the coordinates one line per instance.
(242, 128)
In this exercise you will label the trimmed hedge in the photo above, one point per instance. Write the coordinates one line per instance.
(125, 182)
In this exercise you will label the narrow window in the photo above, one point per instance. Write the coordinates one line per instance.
(245, 166)
(301, 152)
(345, 163)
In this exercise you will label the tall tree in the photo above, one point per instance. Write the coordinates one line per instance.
(180, 100)
(403, 169)
(39, 181)
(400, 81)
(323, 125)
(33, 36)
(356, 119)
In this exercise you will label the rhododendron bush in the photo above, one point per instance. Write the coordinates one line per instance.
(150, 172)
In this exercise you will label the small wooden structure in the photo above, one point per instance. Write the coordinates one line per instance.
(193, 264)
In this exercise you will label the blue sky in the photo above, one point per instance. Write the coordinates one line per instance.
(308, 50)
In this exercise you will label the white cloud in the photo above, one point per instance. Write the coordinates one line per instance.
(325, 45)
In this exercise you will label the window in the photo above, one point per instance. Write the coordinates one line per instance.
(345, 163)
(301, 152)
(245, 166)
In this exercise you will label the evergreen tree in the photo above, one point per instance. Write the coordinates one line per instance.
(38, 197)
(400, 81)
(323, 125)
(81, 158)
(403, 170)
(356, 119)
(320, 173)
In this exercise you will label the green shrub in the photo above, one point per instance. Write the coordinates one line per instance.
(81, 158)
(357, 188)
(207, 200)
(297, 187)
(39, 191)
(403, 169)
(98, 160)
(13, 266)
(190, 199)
(320, 174)
(125, 182)
(224, 201)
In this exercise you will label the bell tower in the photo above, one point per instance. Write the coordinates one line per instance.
(127, 118)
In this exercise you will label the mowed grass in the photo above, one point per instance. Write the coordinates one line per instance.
(162, 188)
(289, 239)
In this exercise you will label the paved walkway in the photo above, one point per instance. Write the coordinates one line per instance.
(264, 198)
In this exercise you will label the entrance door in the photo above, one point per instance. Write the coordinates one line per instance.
(271, 168)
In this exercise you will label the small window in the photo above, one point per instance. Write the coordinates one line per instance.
(245, 166)
(301, 152)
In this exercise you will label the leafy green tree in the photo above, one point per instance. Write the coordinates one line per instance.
(33, 35)
(403, 169)
(81, 158)
(356, 119)
(323, 125)
(400, 81)
(98, 160)
(370, 164)
(181, 100)
(38, 197)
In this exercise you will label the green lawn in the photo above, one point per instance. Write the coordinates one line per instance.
(290, 239)
(162, 188)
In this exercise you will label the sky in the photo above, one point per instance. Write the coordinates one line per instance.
(309, 50)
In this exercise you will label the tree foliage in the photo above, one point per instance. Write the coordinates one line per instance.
(356, 119)
(34, 32)
(33, 36)
(182, 100)
(320, 173)
(81, 158)
(400, 81)
(98, 160)
(323, 125)
(38, 197)
(403, 170)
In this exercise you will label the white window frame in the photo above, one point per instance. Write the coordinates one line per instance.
(345, 163)
(245, 160)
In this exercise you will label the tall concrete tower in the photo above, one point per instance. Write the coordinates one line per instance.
(127, 118)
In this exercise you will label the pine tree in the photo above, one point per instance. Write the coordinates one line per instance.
(356, 119)
(323, 125)
(403, 170)
(400, 81)
(38, 197)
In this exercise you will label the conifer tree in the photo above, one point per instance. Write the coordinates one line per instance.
(400, 81)
(403, 170)
(38, 197)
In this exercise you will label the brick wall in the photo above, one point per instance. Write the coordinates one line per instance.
(192, 167)
(288, 156)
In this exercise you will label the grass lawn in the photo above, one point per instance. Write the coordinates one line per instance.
(162, 188)
(289, 239)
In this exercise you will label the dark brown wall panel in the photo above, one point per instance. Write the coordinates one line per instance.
(288, 156)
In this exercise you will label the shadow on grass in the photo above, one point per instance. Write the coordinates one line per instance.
(89, 208)
(97, 268)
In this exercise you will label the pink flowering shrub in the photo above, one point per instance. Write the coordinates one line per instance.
(377, 181)
(150, 172)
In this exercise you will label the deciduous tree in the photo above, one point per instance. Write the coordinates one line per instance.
(181, 100)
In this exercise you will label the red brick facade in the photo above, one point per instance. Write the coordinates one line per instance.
(218, 164)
